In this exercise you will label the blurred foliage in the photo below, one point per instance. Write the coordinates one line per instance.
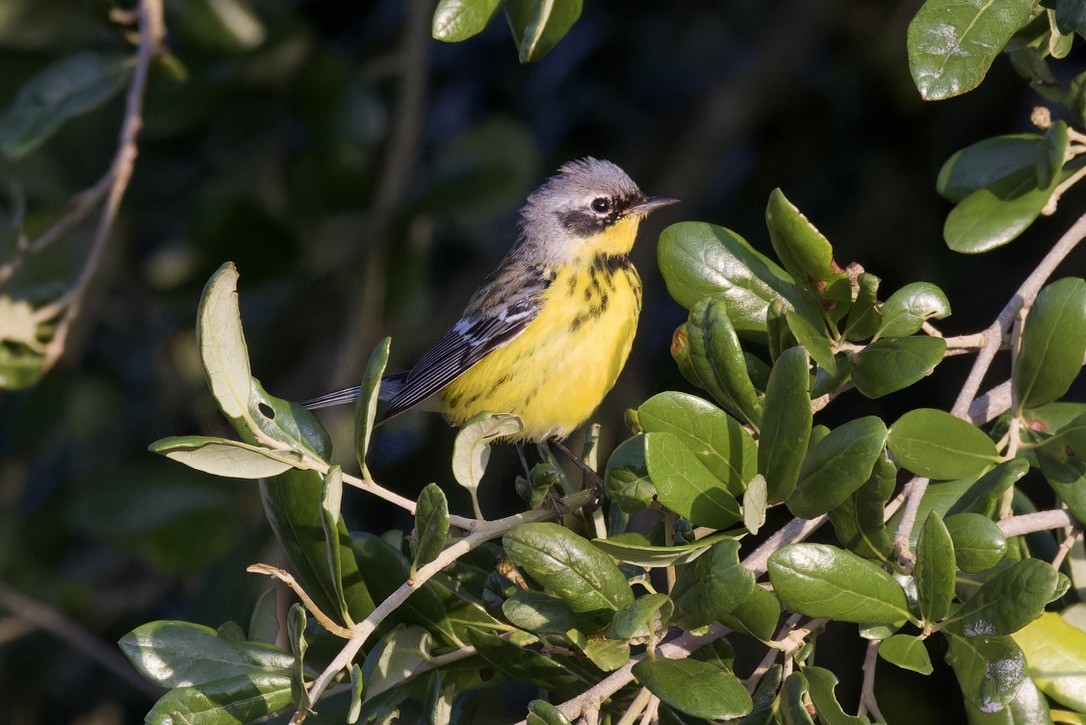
(364, 177)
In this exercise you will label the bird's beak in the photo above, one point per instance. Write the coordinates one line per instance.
(649, 204)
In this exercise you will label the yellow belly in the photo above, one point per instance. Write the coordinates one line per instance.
(555, 374)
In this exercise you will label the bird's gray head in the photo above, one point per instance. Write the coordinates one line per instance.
(579, 202)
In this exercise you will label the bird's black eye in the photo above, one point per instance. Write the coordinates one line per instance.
(601, 205)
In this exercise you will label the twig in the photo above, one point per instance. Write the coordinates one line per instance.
(152, 31)
(914, 494)
(1038, 521)
(1065, 547)
(307, 601)
(76, 636)
(485, 532)
(652, 712)
(991, 405)
(867, 691)
(633, 712)
(795, 530)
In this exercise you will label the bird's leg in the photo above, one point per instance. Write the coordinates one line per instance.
(594, 478)
(523, 461)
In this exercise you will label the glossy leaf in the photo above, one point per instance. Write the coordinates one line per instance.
(859, 520)
(1053, 343)
(538, 612)
(989, 669)
(839, 464)
(365, 411)
(1053, 155)
(757, 615)
(717, 360)
(934, 570)
(712, 586)
(456, 20)
(569, 567)
(225, 457)
(538, 25)
(804, 252)
(985, 495)
(696, 688)
(814, 338)
(1009, 600)
(986, 163)
(68, 88)
(906, 652)
(626, 478)
(824, 581)
(937, 445)
(238, 699)
(906, 311)
(864, 317)
(1056, 654)
(541, 712)
(699, 260)
(786, 423)
(894, 363)
(792, 703)
(635, 549)
(952, 43)
(431, 525)
(719, 441)
(995, 215)
(684, 485)
(645, 617)
(525, 665)
(176, 654)
(822, 684)
(978, 542)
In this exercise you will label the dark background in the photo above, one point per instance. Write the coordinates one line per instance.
(364, 178)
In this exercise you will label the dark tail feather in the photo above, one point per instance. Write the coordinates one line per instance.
(390, 385)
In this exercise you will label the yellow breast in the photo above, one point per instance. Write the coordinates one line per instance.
(555, 374)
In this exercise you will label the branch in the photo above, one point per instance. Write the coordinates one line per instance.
(285, 577)
(1038, 521)
(795, 530)
(867, 690)
(152, 31)
(75, 636)
(485, 532)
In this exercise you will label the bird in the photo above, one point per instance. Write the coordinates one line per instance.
(549, 330)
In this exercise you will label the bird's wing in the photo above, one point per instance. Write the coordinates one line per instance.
(470, 340)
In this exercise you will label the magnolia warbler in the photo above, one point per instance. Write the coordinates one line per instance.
(547, 334)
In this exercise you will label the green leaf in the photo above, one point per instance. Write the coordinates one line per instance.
(804, 252)
(814, 338)
(644, 618)
(824, 581)
(765, 698)
(822, 685)
(754, 504)
(396, 657)
(225, 457)
(995, 215)
(177, 654)
(66, 89)
(979, 543)
(541, 712)
(712, 586)
(717, 360)
(894, 363)
(296, 621)
(626, 479)
(607, 654)
(471, 451)
(985, 495)
(988, 162)
(906, 652)
(538, 25)
(538, 612)
(331, 500)
(524, 665)
(864, 316)
(1053, 343)
(837, 466)
(990, 670)
(684, 485)
(283, 421)
(756, 615)
(456, 20)
(222, 343)
(696, 688)
(952, 43)
(1050, 163)
(365, 411)
(1009, 600)
(431, 525)
(634, 549)
(1056, 654)
(719, 441)
(240, 699)
(786, 423)
(937, 445)
(792, 707)
(383, 569)
(357, 685)
(910, 307)
(1067, 477)
(570, 568)
(859, 521)
(1071, 17)
(699, 260)
(934, 570)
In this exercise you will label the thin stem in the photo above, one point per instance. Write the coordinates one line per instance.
(795, 530)
(1065, 547)
(1037, 521)
(867, 691)
(311, 606)
(633, 712)
(915, 494)
(152, 30)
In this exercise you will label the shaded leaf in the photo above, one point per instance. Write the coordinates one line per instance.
(979, 543)
(635, 549)
(538, 612)
(718, 362)
(757, 615)
(456, 20)
(365, 411)
(995, 215)
(1053, 343)
(696, 688)
(822, 684)
(538, 25)
(934, 570)
(242, 698)
(431, 525)
(524, 665)
(906, 652)
(712, 586)
(986, 163)
(644, 618)
(837, 466)
(225, 457)
(786, 423)
(626, 479)
(802, 249)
